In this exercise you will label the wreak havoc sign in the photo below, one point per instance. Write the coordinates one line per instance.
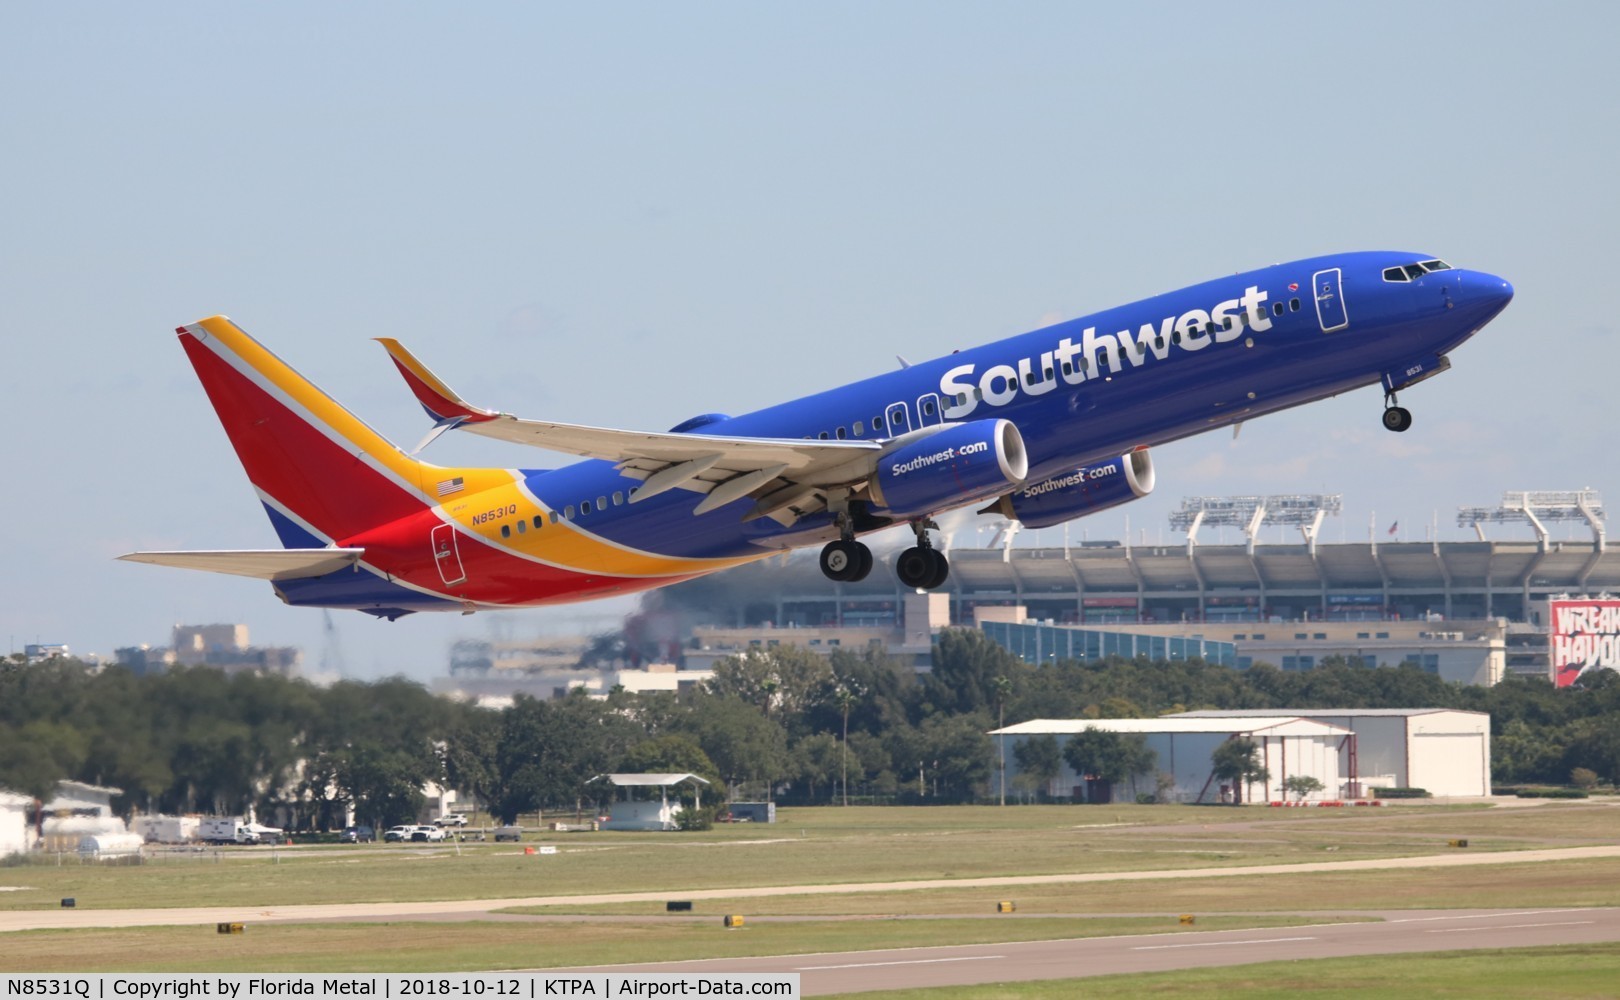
(1585, 636)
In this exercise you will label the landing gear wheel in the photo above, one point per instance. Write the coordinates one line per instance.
(915, 567)
(941, 570)
(1397, 418)
(865, 567)
(848, 561)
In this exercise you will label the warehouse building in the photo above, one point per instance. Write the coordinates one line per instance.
(1444, 752)
(1183, 749)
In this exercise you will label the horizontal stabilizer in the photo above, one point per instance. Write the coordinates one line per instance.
(261, 564)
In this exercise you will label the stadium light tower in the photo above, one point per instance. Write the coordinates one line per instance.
(1538, 508)
(1303, 510)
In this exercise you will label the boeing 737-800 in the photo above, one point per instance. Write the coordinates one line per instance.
(1042, 428)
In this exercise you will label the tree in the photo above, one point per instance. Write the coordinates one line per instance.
(1237, 761)
(1301, 785)
(1003, 689)
(845, 698)
(1040, 760)
(1109, 756)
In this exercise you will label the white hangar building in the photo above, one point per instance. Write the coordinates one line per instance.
(1288, 745)
(1443, 751)
(16, 833)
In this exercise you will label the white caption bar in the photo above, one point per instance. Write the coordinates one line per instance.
(427, 986)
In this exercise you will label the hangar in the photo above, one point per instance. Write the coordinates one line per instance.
(1442, 751)
(16, 834)
(1288, 745)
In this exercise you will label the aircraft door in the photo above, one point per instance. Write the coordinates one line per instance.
(446, 556)
(1330, 311)
(928, 410)
(898, 419)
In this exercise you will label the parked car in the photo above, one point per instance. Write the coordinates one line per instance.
(454, 819)
(508, 833)
(422, 832)
(395, 834)
(358, 835)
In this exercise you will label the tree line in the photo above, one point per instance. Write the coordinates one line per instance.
(778, 722)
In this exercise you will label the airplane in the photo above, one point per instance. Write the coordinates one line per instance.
(1041, 428)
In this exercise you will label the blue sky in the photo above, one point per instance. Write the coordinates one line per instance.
(630, 215)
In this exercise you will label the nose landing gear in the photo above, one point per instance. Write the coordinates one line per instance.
(1396, 418)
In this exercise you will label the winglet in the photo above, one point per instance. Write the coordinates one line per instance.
(442, 403)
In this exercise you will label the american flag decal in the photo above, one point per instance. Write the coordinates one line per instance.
(449, 486)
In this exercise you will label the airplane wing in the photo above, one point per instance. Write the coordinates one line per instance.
(261, 564)
(786, 476)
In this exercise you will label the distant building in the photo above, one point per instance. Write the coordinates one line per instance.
(16, 832)
(226, 647)
(77, 810)
(1440, 750)
(1184, 747)
(36, 651)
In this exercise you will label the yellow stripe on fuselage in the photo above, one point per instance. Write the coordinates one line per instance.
(564, 543)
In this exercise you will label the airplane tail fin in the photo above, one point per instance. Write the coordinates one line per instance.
(322, 474)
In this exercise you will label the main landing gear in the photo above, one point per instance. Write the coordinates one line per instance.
(1396, 418)
(846, 560)
(849, 561)
(922, 566)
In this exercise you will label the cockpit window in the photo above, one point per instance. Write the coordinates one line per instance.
(1412, 272)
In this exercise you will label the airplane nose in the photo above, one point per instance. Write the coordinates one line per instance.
(1485, 293)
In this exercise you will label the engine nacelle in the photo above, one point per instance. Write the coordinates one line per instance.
(960, 464)
(1086, 490)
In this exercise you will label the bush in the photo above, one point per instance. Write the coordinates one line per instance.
(1401, 793)
(1550, 793)
(690, 818)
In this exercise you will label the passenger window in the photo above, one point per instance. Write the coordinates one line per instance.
(553, 517)
(928, 407)
(506, 531)
(1293, 305)
(539, 522)
(523, 526)
(822, 435)
(859, 428)
(568, 512)
(1068, 368)
(1276, 309)
(877, 423)
(839, 433)
(584, 508)
(601, 503)
(618, 498)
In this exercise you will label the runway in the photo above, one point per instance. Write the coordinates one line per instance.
(57, 919)
(968, 965)
(1388, 932)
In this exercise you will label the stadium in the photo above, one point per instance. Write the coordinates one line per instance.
(1385, 602)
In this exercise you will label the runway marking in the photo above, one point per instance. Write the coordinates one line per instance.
(1218, 944)
(1510, 927)
(912, 961)
(1490, 916)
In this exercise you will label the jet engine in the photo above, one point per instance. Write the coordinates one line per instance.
(959, 464)
(1086, 490)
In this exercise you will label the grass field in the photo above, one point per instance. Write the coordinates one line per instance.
(475, 945)
(824, 845)
(1568, 972)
